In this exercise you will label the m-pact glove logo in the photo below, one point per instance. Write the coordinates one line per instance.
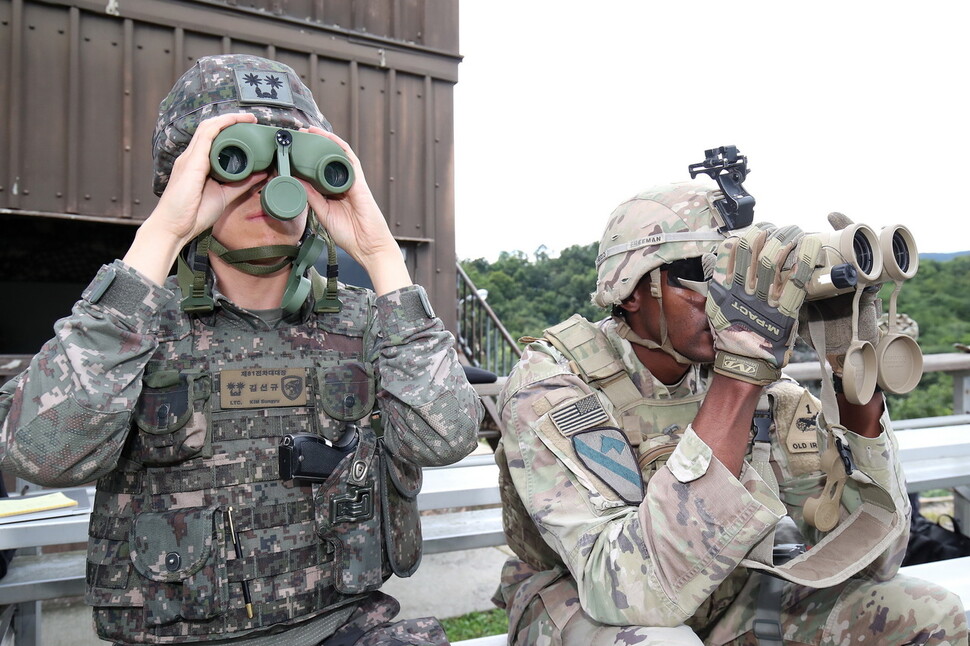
(739, 366)
(750, 316)
(737, 310)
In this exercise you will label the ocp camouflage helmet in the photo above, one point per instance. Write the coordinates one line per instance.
(655, 227)
(229, 83)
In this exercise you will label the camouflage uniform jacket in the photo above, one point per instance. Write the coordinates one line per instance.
(180, 418)
(632, 504)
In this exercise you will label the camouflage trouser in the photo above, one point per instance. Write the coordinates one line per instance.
(903, 611)
(371, 625)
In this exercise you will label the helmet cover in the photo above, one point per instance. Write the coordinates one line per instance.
(225, 83)
(655, 227)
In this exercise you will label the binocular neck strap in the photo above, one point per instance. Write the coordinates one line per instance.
(326, 295)
(242, 259)
(193, 276)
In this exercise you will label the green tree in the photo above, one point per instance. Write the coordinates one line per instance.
(531, 293)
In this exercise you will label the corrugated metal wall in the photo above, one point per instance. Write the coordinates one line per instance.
(80, 84)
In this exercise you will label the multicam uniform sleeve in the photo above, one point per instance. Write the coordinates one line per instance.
(795, 451)
(66, 417)
(878, 458)
(651, 561)
(431, 412)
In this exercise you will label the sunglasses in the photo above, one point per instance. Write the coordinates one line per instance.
(686, 273)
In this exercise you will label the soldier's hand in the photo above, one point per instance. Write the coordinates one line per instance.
(192, 201)
(836, 313)
(754, 300)
(357, 225)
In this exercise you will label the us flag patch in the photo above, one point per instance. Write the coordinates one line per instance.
(580, 414)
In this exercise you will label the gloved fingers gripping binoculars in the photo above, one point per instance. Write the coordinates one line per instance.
(856, 258)
(244, 148)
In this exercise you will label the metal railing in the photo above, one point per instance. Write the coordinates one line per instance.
(481, 336)
(956, 364)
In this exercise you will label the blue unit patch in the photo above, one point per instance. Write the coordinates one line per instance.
(607, 454)
(263, 87)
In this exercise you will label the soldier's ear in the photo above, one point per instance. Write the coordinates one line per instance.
(633, 302)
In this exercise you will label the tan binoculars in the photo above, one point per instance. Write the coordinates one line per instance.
(853, 259)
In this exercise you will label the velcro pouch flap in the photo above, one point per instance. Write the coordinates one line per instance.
(400, 485)
(168, 399)
(345, 390)
(182, 553)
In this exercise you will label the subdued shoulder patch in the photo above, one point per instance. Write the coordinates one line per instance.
(578, 415)
(607, 453)
(802, 436)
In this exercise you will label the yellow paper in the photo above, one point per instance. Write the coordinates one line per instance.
(29, 505)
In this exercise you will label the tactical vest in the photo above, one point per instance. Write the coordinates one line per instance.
(196, 519)
(848, 548)
(653, 426)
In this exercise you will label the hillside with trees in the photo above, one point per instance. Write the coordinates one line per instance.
(530, 293)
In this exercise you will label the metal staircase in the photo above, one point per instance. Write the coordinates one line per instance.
(483, 342)
(482, 339)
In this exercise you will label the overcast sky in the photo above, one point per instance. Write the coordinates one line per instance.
(564, 109)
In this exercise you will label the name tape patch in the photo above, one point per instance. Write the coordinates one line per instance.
(262, 387)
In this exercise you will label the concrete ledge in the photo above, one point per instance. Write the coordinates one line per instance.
(42, 577)
(493, 640)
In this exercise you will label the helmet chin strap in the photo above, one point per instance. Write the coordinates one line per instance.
(242, 259)
(194, 269)
(665, 345)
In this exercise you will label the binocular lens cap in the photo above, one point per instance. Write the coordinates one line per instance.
(900, 364)
(283, 198)
(859, 372)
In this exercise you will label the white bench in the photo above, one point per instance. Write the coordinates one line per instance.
(937, 457)
(933, 458)
(33, 578)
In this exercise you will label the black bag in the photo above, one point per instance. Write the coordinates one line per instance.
(930, 542)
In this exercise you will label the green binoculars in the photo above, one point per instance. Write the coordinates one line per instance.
(244, 148)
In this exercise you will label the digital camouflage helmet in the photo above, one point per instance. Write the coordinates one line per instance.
(226, 83)
(273, 92)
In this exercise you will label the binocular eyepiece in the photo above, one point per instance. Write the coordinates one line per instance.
(244, 148)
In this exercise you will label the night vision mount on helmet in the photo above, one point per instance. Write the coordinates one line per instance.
(729, 169)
